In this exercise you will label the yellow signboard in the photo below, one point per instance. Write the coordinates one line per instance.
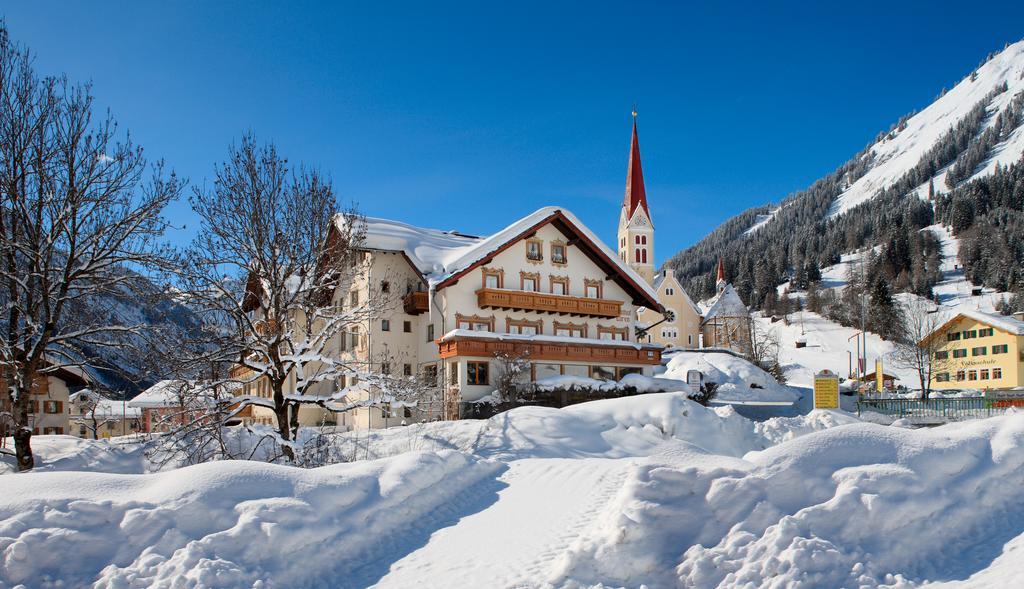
(879, 376)
(826, 390)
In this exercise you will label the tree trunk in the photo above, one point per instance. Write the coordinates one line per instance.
(284, 429)
(23, 448)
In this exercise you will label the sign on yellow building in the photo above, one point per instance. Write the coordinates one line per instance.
(826, 390)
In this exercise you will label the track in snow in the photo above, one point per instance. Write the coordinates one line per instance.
(516, 540)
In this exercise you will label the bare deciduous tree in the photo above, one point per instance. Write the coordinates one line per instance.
(77, 222)
(271, 253)
(915, 350)
(764, 350)
(190, 428)
(89, 404)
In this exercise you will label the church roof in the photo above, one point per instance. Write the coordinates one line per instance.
(636, 194)
(726, 304)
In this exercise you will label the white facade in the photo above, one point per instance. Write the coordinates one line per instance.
(544, 288)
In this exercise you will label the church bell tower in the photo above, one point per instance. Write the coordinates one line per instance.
(636, 228)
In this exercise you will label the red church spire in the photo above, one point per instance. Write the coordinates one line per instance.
(636, 195)
(721, 271)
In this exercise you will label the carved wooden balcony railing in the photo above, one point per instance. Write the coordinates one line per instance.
(416, 303)
(550, 351)
(494, 298)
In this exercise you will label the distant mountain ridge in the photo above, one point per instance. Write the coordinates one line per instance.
(956, 162)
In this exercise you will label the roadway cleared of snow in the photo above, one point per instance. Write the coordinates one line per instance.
(499, 546)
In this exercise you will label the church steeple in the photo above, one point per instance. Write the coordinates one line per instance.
(636, 228)
(720, 277)
(636, 194)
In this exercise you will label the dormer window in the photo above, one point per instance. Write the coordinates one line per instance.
(534, 250)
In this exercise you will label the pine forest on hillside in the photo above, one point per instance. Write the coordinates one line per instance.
(807, 233)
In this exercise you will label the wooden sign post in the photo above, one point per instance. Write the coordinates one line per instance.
(826, 390)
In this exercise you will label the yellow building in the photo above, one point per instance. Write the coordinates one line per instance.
(976, 350)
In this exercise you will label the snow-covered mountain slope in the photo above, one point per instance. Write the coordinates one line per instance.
(897, 152)
(966, 134)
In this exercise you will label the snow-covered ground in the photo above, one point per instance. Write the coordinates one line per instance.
(738, 380)
(762, 220)
(650, 490)
(829, 346)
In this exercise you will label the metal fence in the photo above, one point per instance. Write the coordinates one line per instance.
(941, 410)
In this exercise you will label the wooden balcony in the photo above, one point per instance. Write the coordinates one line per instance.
(555, 352)
(416, 303)
(494, 298)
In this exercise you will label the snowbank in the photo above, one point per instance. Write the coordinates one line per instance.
(649, 490)
(738, 380)
(854, 506)
(121, 455)
(636, 426)
(225, 524)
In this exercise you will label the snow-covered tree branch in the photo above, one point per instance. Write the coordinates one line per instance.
(272, 255)
(78, 221)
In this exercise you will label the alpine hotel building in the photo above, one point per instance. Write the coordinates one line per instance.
(543, 288)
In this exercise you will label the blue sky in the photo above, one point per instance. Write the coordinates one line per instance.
(470, 115)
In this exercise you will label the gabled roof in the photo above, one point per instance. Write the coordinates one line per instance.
(636, 194)
(664, 275)
(726, 304)
(442, 257)
(1002, 322)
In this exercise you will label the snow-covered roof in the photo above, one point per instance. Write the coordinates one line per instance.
(166, 393)
(1003, 322)
(726, 304)
(105, 408)
(439, 255)
(429, 250)
(557, 339)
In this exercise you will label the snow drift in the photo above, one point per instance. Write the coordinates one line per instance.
(854, 506)
(738, 380)
(652, 489)
(225, 524)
